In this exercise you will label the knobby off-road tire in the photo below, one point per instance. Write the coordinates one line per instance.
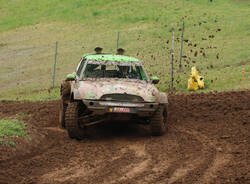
(71, 121)
(159, 122)
(62, 111)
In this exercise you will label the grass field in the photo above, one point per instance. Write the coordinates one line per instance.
(11, 128)
(217, 38)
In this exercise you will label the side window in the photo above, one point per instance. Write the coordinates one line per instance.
(78, 72)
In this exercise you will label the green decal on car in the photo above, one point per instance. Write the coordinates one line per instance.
(91, 95)
(110, 57)
(112, 88)
(70, 76)
(150, 97)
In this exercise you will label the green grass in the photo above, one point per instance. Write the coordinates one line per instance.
(11, 128)
(30, 95)
(29, 30)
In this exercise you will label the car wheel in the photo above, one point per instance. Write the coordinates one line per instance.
(62, 111)
(158, 122)
(71, 121)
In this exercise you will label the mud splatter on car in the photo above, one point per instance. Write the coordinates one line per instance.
(111, 87)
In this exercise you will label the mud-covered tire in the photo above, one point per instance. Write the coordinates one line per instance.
(62, 111)
(71, 121)
(158, 122)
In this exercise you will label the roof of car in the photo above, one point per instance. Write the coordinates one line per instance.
(110, 57)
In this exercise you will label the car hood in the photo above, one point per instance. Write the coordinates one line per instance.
(95, 89)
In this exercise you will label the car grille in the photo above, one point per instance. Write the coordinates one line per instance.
(122, 97)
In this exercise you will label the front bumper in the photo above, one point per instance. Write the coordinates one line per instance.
(106, 107)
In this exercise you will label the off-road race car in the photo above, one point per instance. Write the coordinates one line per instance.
(109, 87)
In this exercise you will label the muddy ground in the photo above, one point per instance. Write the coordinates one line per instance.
(208, 141)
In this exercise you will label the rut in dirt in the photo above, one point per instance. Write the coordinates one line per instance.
(207, 142)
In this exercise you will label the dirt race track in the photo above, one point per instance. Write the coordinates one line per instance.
(208, 141)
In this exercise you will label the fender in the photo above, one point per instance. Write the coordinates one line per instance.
(162, 98)
(75, 94)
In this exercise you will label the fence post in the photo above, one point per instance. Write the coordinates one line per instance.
(242, 78)
(54, 71)
(117, 41)
(172, 63)
(182, 34)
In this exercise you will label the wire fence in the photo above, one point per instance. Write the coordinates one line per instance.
(31, 67)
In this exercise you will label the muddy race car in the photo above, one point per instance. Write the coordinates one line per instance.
(109, 87)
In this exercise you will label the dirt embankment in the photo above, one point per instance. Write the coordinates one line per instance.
(208, 141)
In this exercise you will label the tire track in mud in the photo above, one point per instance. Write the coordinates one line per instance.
(181, 164)
(200, 147)
(134, 163)
(123, 161)
(209, 161)
(30, 165)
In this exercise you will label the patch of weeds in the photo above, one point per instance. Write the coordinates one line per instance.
(12, 143)
(22, 115)
(10, 128)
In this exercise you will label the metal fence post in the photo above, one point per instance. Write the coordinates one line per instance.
(54, 71)
(172, 63)
(182, 34)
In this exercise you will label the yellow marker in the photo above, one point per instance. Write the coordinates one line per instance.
(195, 81)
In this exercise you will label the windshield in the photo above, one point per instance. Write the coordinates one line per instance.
(114, 70)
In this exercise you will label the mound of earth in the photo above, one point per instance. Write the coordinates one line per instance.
(207, 142)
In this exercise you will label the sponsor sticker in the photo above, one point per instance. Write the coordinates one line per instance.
(119, 109)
